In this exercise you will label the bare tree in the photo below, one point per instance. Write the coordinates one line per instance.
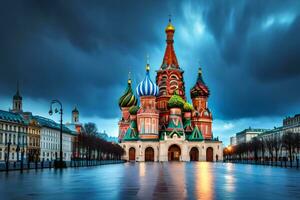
(256, 144)
(90, 128)
(288, 143)
(270, 146)
(276, 140)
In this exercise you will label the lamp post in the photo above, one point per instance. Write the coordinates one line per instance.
(60, 111)
(7, 157)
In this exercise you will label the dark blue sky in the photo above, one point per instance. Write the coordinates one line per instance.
(81, 53)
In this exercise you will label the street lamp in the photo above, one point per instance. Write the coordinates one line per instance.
(7, 157)
(60, 111)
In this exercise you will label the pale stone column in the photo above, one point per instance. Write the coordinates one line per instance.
(184, 152)
(156, 152)
(163, 152)
(203, 152)
(142, 157)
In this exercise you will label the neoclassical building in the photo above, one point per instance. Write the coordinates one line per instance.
(32, 137)
(164, 126)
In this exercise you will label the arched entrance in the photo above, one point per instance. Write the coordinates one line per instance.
(209, 154)
(174, 153)
(194, 154)
(132, 154)
(149, 154)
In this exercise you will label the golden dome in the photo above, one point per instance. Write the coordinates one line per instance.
(170, 27)
(147, 67)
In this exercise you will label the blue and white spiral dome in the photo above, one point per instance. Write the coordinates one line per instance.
(147, 87)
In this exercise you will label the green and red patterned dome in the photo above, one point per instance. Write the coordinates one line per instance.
(200, 89)
(128, 99)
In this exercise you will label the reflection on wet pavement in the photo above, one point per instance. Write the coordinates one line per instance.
(174, 180)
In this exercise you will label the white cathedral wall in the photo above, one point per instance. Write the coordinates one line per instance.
(161, 149)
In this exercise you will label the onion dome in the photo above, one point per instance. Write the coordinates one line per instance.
(147, 87)
(170, 27)
(199, 89)
(128, 99)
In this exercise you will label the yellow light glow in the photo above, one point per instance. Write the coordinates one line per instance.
(204, 181)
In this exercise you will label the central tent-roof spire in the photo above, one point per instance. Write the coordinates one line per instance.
(170, 60)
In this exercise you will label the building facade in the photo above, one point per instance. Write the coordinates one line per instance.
(290, 121)
(13, 136)
(165, 127)
(289, 124)
(247, 134)
(31, 138)
(50, 140)
(233, 141)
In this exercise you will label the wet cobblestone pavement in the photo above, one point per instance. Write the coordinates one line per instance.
(198, 180)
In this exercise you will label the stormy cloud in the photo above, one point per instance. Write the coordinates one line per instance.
(81, 52)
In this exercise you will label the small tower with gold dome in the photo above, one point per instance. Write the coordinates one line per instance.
(169, 78)
(127, 100)
(147, 116)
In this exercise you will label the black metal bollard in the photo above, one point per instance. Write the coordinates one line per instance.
(22, 165)
(7, 166)
(284, 163)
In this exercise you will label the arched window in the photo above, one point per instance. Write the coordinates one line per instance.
(173, 76)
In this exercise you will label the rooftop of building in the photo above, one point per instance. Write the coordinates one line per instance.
(252, 131)
(49, 123)
(11, 117)
(295, 116)
(280, 128)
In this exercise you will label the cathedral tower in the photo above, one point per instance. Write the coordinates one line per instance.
(127, 100)
(201, 117)
(169, 78)
(147, 116)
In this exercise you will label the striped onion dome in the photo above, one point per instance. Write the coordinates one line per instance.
(128, 99)
(147, 87)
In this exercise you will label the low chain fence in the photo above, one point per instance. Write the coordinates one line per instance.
(18, 165)
(281, 163)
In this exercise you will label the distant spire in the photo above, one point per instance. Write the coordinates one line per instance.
(129, 77)
(200, 71)
(18, 92)
(17, 96)
(75, 109)
(147, 58)
(147, 64)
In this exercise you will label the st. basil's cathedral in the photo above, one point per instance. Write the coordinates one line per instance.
(165, 127)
